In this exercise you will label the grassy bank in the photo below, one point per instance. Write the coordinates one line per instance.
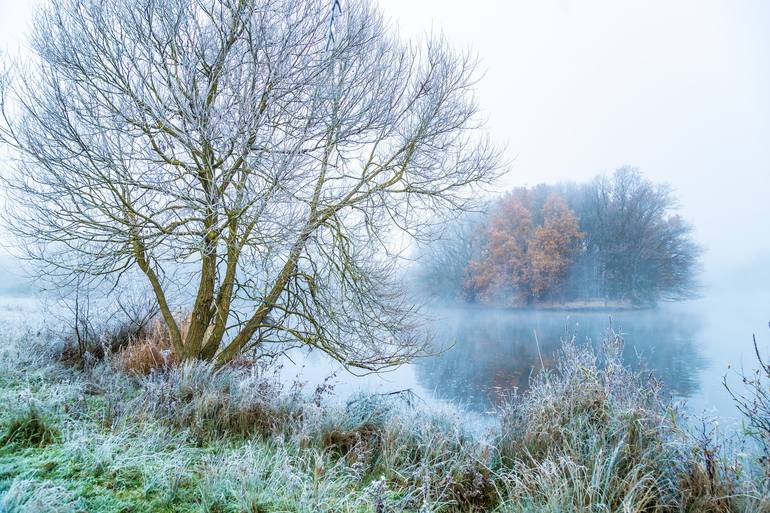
(587, 437)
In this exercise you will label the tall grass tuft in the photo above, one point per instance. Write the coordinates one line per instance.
(212, 403)
(152, 351)
(29, 427)
(30, 496)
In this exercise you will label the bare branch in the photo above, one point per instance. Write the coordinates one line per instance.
(247, 163)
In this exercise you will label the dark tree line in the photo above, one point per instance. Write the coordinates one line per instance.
(616, 238)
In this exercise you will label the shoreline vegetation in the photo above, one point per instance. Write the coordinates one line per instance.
(138, 430)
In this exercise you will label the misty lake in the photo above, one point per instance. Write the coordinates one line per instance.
(486, 354)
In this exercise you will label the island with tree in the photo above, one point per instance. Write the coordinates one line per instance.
(614, 242)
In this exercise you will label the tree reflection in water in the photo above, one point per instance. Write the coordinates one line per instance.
(487, 354)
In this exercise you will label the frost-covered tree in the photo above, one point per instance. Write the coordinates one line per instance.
(441, 268)
(255, 151)
(643, 250)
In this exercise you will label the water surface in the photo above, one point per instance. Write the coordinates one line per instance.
(484, 355)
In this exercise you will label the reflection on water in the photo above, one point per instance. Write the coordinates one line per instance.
(488, 354)
(690, 347)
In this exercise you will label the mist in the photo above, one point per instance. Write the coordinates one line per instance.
(572, 89)
(679, 90)
(384, 255)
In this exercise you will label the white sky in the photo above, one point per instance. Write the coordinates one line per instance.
(679, 88)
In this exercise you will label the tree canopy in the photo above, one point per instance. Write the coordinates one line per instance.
(247, 158)
(615, 238)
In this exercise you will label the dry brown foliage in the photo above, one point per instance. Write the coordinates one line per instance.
(152, 352)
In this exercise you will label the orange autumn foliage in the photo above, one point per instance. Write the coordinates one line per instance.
(503, 266)
(524, 261)
(551, 249)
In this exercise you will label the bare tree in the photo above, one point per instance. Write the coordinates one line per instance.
(645, 250)
(754, 402)
(442, 262)
(255, 149)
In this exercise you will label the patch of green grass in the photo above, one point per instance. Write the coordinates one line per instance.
(589, 437)
(29, 428)
(97, 488)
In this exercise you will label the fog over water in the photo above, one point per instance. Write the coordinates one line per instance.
(482, 355)
(487, 354)
(680, 90)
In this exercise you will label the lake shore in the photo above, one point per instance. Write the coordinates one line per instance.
(588, 305)
(108, 438)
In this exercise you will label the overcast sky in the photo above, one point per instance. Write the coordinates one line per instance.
(680, 89)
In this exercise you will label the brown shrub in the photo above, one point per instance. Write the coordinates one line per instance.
(142, 358)
(364, 438)
(472, 488)
(151, 352)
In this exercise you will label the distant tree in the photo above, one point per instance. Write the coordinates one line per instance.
(442, 261)
(644, 251)
(524, 261)
(503, 269)
(616, 238)
(245, 150)
(551, 251)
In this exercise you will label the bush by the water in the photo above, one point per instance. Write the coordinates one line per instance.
(754, 402)
(589, 436)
